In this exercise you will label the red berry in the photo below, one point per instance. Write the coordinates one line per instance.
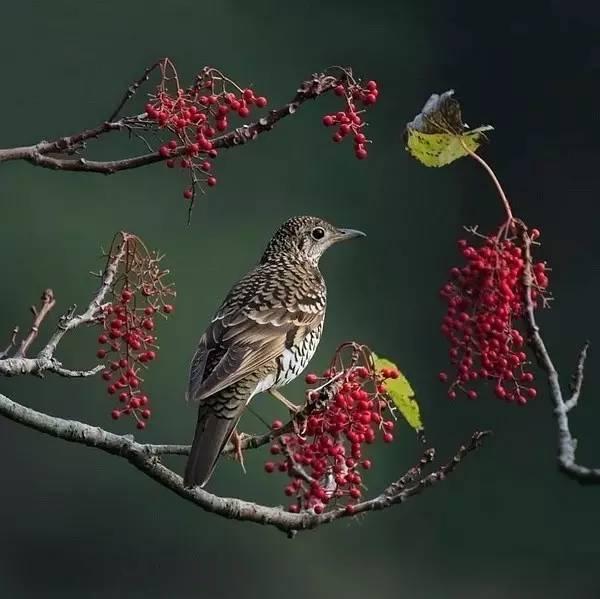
(311, 379)
(269, 467)
(141, 425)
(339, 90)
(276, 424)
(211, 181)
(115, 414)
(388, 437)
(188, 194)
(261, 101)
(328, 120)
(168, 308)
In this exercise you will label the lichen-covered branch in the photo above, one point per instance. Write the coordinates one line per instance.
(145, 458)
(45, 361)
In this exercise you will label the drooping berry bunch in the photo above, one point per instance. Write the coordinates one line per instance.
(139, 295)
(194, 116)
(349, 121)
(484, 318)
(324, 454)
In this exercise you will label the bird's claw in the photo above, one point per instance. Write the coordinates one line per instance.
(236, 440)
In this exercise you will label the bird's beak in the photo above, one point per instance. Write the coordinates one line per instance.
(344, 234)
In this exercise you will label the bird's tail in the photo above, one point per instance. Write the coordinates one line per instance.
(212, 433)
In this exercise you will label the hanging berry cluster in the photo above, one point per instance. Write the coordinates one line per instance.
(484, 319)
(324, 456)
(349, 121)
(195, 116)
(139, 295)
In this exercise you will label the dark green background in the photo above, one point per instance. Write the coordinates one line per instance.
(78, 523)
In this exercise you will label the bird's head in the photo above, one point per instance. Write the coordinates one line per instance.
(307, 237)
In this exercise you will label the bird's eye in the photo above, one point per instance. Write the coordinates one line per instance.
(318, 233)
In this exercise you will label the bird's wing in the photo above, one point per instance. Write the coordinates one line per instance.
(248, 335)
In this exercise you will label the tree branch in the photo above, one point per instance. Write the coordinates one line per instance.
(45, 360)
(567, 444)
(144, 458)
(43, 154)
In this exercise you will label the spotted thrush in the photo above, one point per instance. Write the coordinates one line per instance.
(261, 338)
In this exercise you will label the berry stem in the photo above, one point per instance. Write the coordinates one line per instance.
(491, 173)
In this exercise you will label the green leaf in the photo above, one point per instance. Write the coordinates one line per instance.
(402, 394)
(436, 135)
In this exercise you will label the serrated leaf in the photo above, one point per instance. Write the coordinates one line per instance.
(401, 393)
(436, 135)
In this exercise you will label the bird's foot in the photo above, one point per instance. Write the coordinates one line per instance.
(292, 407)
(236, 440)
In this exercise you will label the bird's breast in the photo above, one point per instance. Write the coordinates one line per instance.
(296, 358)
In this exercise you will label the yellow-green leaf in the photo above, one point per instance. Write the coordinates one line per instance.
(402, 394)
(437, 136)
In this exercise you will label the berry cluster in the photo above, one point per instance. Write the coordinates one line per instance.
(128, 341)
(195, 116)
(324, 456)
(486, 304)
(349, 121)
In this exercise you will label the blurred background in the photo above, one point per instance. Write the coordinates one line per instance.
(79, 523)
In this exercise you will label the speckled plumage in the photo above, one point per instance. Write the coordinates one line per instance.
(263, 335)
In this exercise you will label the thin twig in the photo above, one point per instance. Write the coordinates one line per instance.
(11, 344)
(48, 301)
(131, 91)
(577, 379)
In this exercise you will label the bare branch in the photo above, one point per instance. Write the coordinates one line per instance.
(48, 302)
(11, 344)
(567, 444)
(143, 457)
(577, 379)
(45, 360)
(132, 89)
(38, 366)
(69, 321)
(246, 442)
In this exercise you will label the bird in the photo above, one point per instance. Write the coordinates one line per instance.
(261, 338)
